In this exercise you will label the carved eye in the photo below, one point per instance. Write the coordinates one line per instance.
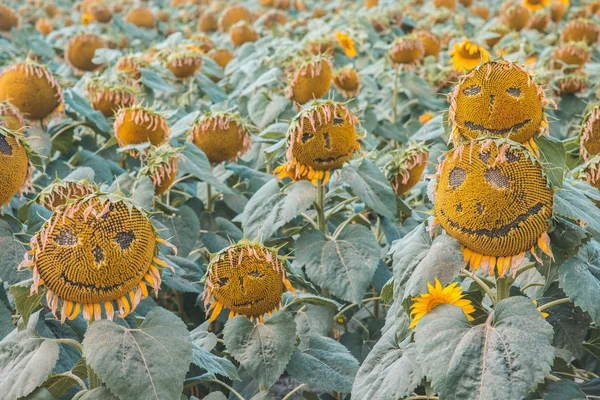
(124, 239)
(472, 90)
(98, 254)
(66, 238)
(222, 281)
(497, 179)
(327, 141)
(514, 92)
(457, 177)
(5, 148)
(307, 136)
(256, 274)
(338, 121)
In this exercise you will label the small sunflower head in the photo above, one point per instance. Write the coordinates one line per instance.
(406, 50)
(539, 20)
(232, 15)
(499, 31)
(208, 22)
(95, 254)
(481, 10)
(44, 26)
(130, 65)
(321, 138)
(11, 117)
(60, 192)
(161, 167)
(347, 81)
(16, 164)
(497, 99)
(274, 18)
(242, 32)
(31, 88)
(182, 62)
(100, 12)
(80, 51)
(467, 55)
(432, 45)
(436, 296)
(311, 80)
(570, 57)
(323, 45)
(200, 42)
(589, 135)
(141, 17)
(580, 30)
(493, 197)
(221, 56)
(569, 84)
(222, 136)
(447, 4)
(109, 98)
(406, 167)
(246, 278)
(589, 172)
(535, 5)
(9, 19)
(558, 9)
(516, 17)
(137, 125)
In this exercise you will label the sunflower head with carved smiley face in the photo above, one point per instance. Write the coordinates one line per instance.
(498, 99)
(321, 138)
(95, 255)
(494, 198)
(248, 279)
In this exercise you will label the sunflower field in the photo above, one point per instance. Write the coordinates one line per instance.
(299, 199)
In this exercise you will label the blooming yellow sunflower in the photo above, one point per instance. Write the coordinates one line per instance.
(347, 44)
(535, 5)
(439, 295)
(467, 55)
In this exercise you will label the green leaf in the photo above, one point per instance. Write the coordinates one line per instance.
(26, 360)
(215, 396)
(570, 325)
(40, 393)
(184, 124)
(592, 345)
(211, 89)
(263, 349)
(213, 364)
(552, 157)
(406, 254)
(389, 372)
(314, 320)
(184, 229)
(369, 184)
(12, 254)
(58, 384)
(6, 324)
(503, 358)
(264, 395)
(323, 363)
(155, 81)
(571, 201)
(25, 302)
(195, 162)
(143, 193)
(579, 277)
(149, 362)
(82, 107)
(264, 109)
(271, 208)
(344, 266)
(100, 393)
(564, 390)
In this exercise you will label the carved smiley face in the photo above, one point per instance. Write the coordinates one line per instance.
(495, 201)
(90, 259)
(498, 99)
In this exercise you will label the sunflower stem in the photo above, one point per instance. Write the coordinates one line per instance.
(553, 303)
(502, 289)
(70, 342)
(481, 283)
(191, 382)
(209, 200)
(320, 207)
(395, 99)
(289, 395)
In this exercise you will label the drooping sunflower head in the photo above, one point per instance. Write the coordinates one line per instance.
(311, 79)
(141, 17)
(137, 124)
(80, 51)
(161, 167)
(466, 55)
(242, 32)
(95, 254)
(499, 31)
(273, 19)
(99, 11)
(589, 172)
(406, 51)
(44, 26)
(516, 16)
(558, 8)
(232, 15)
(62, 191)
(539, 20)
(10, 116)
(447, 4)
(570, 57)
(182, 62)
(406, 167)
(8, 19)
(589, 135)
(569, 84)
(221, 56)
(246, 278)
(208, 22)
(321, 138)
(322, 45)
(432, 45)
(480, 10)
(109, 98)
(200, 42)
(497, 99)
(31, 88)
(16, 164)
(436, 296)
(347, 81)
(130, 65)
(580, 30)
(493, 197)
(535, 5)
(221, 135)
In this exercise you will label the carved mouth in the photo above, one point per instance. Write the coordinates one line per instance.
(334, 159)
(502, 231)
(480, 128)
(247, 304)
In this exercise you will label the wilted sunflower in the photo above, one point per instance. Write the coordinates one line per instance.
(138, 124)
(44, 26)
(448, 4)
(248, 279)
(80, 51)
(494, 198)
(31, 88)
(431, 43)
(466, 55)
(182, 62)
(241, 33)
(311, 80)
(161, 167)
(516, 16)
(406, 51)
(208, 22)
(10, 116)
(589, 135)
(436, 296)
(109, 98)
(221, 56)
(580, 30)
(141, 17)
(406, 167)
(346, 42)
(130, 65)
(570, 57)
(8, 19)
(274, 18)
(99, 11)
(535, 5)
(62, 191)
(232, 15)
(500, 31)
(321, 138)
(570, 83)
(558, 9)
(589, 172)
(221, 135)
(347, 81)
(319, 46)
(16, 164)
(481, 10)
(97, 252)
(498, 99)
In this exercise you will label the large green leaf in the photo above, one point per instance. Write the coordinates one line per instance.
(25, 302)
(82, 107)
(263, 349)
(389, 372)
(564, 390)
(504, 358)
(407, 253)
(214, 364)
(270, 208)
(264, 108)
(571, 201)
(194, 161)
(552, 158)
(323, 363)
(26, 360)
(314, 320)
(344, 266)
(149, 362)
(99, 394)
(12, 252)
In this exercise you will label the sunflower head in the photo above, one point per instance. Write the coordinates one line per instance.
(589, 172)
(516, 16)
(406, 50)
(274, 18)
(347, 81)
(16, 164)
(242, 32)
(481, 10)
(246, 278)
(221, 135)
(232, 15)
(80, 51)
(589, 135)
(10, 116)
(570, 57)
(201, 42)
(499, 32)
(130, 65)
(137, 124)
(208, 22)
(109, 98)
(558, 10)
(347, 43)
(141, 17)
(44, 26)
(436, 296)
(466, 55)
(321, 138)
(432, 45)
(161, 167)
(182, 62)
(405, 168)
(311, 79)
(498, 99)
(580, 30)
(96, 252)
(535, 5)
(221, 56)
(539, 20)
(31, 88)
(447, 4)
(569, 84)
(8, 19)
(494, 198)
